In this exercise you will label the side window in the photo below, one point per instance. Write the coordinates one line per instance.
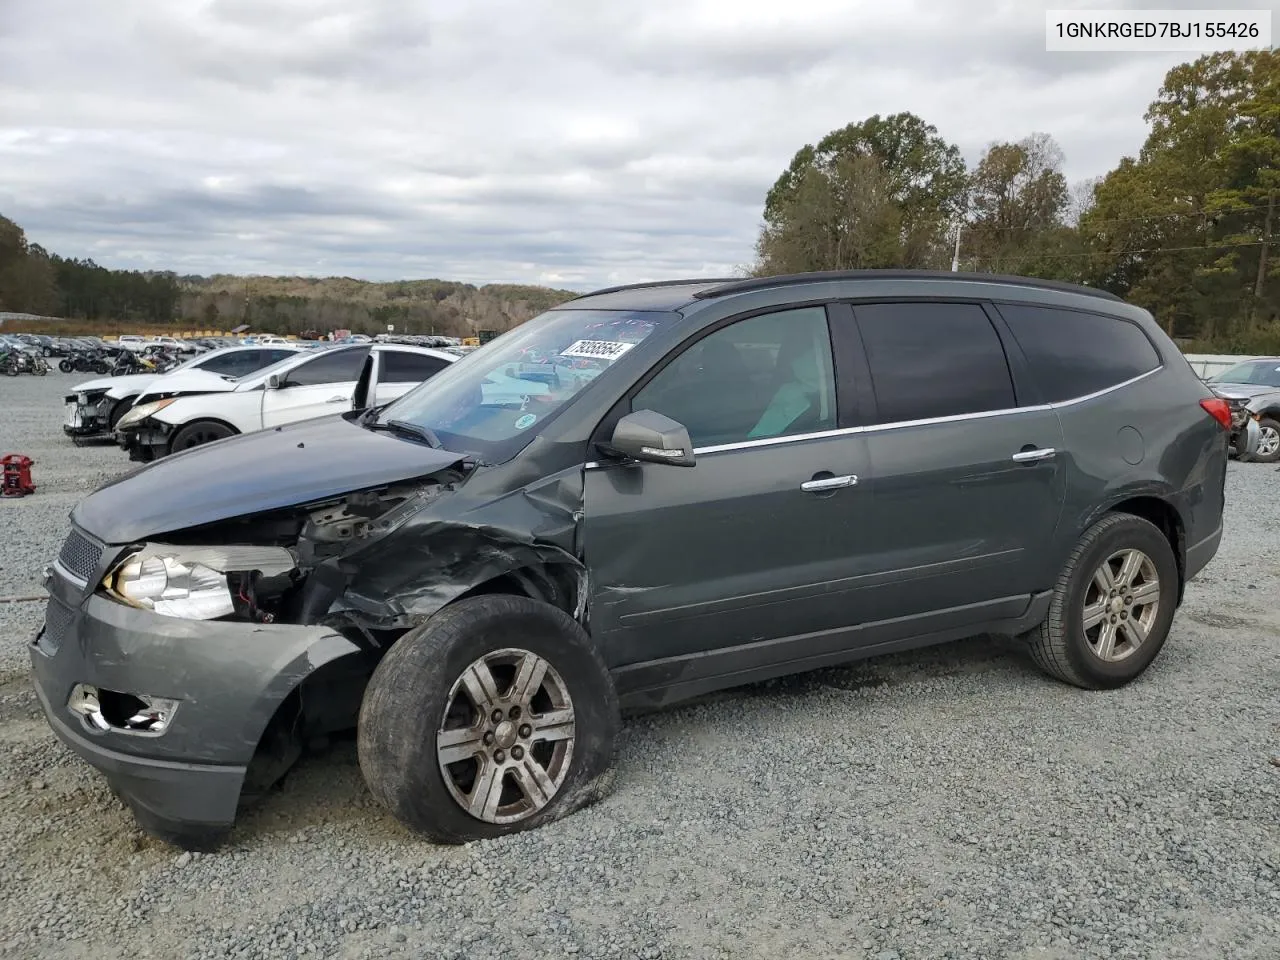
(1074, 354)
(399, 366)
(767, 376)
(340, 366)
(933, 360)
(274, 356)
(232, 364)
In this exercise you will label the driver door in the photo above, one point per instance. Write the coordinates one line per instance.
(753, 547)
(318, 387)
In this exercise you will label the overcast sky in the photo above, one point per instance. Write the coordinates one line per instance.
(574, 143)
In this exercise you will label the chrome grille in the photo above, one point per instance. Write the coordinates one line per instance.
(58, 618)
(80, 555)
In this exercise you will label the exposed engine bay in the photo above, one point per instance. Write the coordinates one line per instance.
(316, 536)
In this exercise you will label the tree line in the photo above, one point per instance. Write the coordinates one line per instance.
(32, 280)
(1186, 229)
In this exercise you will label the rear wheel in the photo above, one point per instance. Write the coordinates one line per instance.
(199, 433)
(1268, 441)
(496, 715)
(65, 366)
(1112, 606)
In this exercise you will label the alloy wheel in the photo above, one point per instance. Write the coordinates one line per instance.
(506, 740)
(1268, 442)
(1121, 605)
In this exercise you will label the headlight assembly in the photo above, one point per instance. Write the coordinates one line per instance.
(189, 582)
(138, 414)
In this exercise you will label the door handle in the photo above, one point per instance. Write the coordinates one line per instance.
(1034, 456)
(337, 399)
(828, 483)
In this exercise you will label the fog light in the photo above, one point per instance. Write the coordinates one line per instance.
(122, 712)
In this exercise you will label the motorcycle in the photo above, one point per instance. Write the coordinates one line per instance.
(84, 361)
(39, 366)
(127, 362)
(10, 362)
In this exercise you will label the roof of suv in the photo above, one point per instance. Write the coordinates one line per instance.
(674, 294)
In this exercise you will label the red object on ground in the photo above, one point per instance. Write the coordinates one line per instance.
(16, 475)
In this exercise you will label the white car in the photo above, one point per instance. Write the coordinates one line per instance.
(173, 343)
(131, 341)
(96, 406)
(190, 410)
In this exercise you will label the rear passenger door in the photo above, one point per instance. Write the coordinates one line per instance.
(966, 484)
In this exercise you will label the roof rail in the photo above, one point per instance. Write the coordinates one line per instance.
(765, 283)
(655, 283)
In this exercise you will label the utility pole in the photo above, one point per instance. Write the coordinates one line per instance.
(1260, 283)
(955, 257)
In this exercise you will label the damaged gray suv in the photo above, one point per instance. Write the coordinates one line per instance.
(640, 496)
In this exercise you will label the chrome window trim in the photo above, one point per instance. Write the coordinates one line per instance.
(1105, 390)
(901, 424)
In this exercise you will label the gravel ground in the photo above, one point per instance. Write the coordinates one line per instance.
(950, 803)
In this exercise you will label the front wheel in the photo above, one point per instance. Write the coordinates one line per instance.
(1112, 606)
(1268, 441)
(496, 715)
(65, 366)
(199, 433)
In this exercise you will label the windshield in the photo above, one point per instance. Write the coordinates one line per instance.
(1264, 373)
(494, 400)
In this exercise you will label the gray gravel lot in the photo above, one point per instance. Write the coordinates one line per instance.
(949, 803)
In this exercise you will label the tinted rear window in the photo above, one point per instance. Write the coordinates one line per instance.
(1074, 354)
(400, 366)
(933, 360)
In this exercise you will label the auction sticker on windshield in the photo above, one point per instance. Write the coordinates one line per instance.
(598, 349)
(527, 421)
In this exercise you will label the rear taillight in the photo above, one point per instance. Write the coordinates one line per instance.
(1219, 409)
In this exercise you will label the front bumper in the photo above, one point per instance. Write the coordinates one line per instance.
(1245, 438)
(87, 415)
(229, 678)
(147, 441)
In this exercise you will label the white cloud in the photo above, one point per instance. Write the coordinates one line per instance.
(549, 141)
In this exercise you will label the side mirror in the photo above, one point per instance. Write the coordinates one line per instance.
(273, 382)
(648, 436)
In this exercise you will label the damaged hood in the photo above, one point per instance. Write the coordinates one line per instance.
(266, 470)
(107, 383)
(186, 382)
(1242, 391)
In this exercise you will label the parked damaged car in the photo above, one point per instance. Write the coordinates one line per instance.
(1253, 388)
(705, 484)
(189, 410)
(94, 408)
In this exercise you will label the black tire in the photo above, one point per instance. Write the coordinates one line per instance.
(100, 366)
(406, 701)
(65, 366)
(199, 433)
(119, 410)
(1265, 423)
(1059, 645)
